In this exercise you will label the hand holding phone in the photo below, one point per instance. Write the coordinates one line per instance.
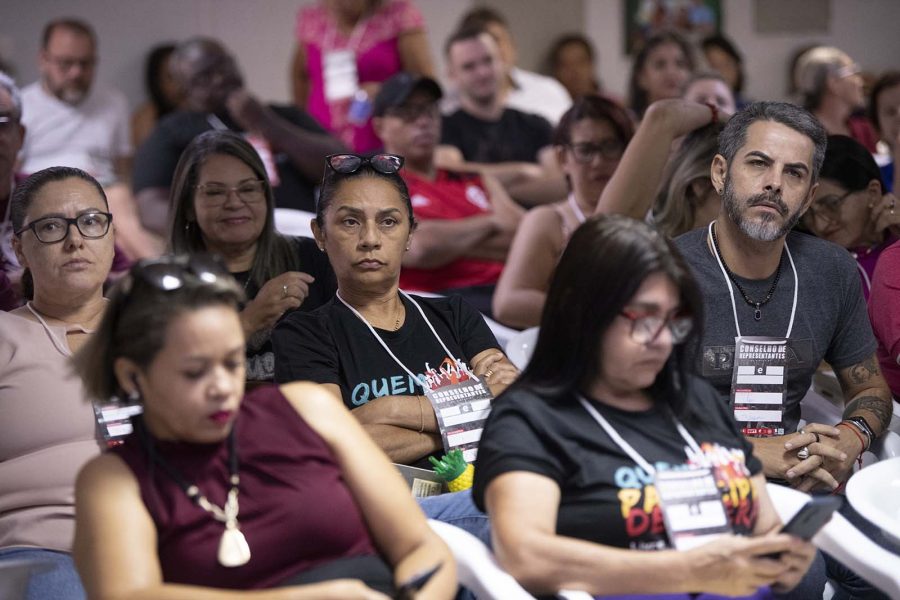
(811, 517)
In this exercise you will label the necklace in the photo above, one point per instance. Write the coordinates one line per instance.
(757, 314)
(233, 548)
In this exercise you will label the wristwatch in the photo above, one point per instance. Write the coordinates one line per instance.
(861, 424)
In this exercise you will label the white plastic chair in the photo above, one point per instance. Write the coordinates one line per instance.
(520, 347)
(844, 542)
(477, 569)
(293, 222)
(874, 493)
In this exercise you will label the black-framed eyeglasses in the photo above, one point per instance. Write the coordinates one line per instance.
(829, 207)
(49, 230)
(248, 192)
(585, 152)
(646, 328)
(170, 273)
(345, 164)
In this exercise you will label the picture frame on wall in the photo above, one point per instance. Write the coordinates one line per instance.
(694, 19)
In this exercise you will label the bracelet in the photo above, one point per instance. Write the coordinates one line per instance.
(863, 426)
(861, 430)
(421, 415)
(859, 437)
(714, 110)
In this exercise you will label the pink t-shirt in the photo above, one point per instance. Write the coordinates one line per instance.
(884, 313)
(377, 59)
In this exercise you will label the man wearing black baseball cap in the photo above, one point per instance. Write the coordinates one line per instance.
(466, 220)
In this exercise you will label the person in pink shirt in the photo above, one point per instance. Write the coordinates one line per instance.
(345, 50)
(884, 313)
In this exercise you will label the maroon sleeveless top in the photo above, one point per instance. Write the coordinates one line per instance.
(295, 509)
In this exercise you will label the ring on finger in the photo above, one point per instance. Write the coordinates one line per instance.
(284, 291)
(803, 453)
(488, 373)
(817, 436)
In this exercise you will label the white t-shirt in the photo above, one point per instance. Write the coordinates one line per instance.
(538, 94)
(89, 135)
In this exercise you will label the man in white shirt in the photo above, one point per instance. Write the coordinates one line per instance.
(70, 121)
(73, 123)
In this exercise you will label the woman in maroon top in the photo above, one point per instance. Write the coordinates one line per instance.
(217, 490)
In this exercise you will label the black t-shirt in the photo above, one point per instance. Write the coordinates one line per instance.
(307, 259)
(516, 137)
(605, 497)
(155, 161)
(331, 345)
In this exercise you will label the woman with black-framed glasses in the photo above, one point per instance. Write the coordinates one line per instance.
(222, 202)
(607, 464)
(218, 493)
(63, 238)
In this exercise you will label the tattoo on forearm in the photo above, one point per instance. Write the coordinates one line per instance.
(860, 373)
(880, 407)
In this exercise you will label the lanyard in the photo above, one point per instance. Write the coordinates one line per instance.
(385, 346)
(865, 277)
(579, 214)
(625, 446)
(352, 41)
(731, 289)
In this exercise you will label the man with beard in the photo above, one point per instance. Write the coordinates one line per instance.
(70, 121)
(791, 299)
(466, 221)
(289, 141)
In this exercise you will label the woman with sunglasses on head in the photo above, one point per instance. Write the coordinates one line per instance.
(222, 203)
(589, 141)
(605, 420)
(217, 491)
(47, 432)
(851, 208)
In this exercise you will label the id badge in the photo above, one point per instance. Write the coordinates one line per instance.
(264, 150)
(759, 385)
(340, 75)
(462, 406)
(114, 421)
(692, 507)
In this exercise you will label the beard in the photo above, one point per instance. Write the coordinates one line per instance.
(765, 228)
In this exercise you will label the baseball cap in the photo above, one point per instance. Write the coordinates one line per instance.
(397, 90)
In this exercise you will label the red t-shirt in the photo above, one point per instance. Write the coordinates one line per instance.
(452, 195)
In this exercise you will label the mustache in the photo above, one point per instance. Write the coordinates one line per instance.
(769, 198)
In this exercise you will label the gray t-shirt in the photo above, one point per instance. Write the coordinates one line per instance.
(830, 323)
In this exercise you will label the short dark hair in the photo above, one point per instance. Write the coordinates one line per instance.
(886, 81)
(734, 136)
(605, 262)
(725, 45)
(565, 40)
(597, 108)
(850, 164)
(70, 23)
(481, 17)
(463, 34)
(332, 181)
(156, 63)
(638, 96)
(134, 324)
(274, 254)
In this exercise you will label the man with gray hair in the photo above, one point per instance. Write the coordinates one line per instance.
(777, 303)
(289, 141)
(12, 132)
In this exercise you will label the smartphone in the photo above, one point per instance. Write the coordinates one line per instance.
(810, 519)
(813, 516)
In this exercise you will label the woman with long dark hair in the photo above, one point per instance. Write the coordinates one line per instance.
(573, 460)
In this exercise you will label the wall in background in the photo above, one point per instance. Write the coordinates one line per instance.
(261, 33)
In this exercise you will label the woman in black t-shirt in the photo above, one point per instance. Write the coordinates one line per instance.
(372, 345)
(570, 460)
(222, 202)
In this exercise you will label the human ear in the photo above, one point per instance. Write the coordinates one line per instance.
(718, 170)
(16, 243)
(318, 234)
(129, 375)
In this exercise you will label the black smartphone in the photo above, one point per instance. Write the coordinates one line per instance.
(813, 516)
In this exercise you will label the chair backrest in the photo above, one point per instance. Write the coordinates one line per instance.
(521, 346)
(289, 221)
(844, 542)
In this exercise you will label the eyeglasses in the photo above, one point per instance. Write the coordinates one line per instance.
(7, 121)
(847, 70)
(829, 207)
(248, 192)
(646, 328)
(345, 164)
(170, 273)
(411, 112)
(66, 64)
(49, 230)
(586, 152)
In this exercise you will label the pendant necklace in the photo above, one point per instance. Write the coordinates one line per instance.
(757, 313)
(233, 548)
